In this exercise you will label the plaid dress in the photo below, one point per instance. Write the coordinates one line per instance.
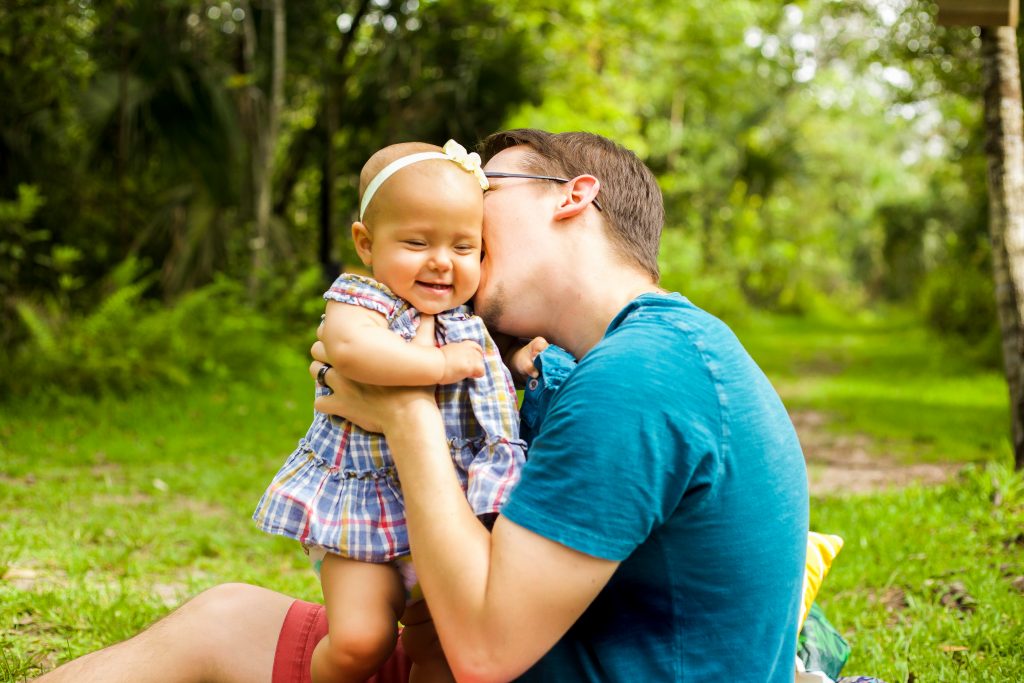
(339, 489)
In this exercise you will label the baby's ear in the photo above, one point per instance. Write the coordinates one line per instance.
(363, 241)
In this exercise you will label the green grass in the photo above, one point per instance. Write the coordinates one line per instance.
(921, 399)
(115, 509)
(903, 552)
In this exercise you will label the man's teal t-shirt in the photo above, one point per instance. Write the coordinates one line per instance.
(667, 450)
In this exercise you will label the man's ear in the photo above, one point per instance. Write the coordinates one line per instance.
(580, 192)
(363, 242)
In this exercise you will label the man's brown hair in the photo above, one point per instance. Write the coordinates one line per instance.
(631, 200)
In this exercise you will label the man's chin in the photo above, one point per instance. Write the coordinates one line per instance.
(491, 318)
(491, 309)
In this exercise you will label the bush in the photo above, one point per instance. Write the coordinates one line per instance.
(128, 342)
(295, 300)
(683, 270)
(731, 291)
(959, 301)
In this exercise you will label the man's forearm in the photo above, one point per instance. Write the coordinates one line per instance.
(499, 600)
(450, 546)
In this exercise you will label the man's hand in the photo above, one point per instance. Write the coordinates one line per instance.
(521, 360)
(374, 408)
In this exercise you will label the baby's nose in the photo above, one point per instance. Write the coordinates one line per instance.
(440, 261)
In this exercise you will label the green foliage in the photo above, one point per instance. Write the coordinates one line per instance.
(17, 239)
(902, 248)
(139, 122)
(293, 303)
(42, 68)
(128, 342)
(130, 134)
(683, 271)
(813, 156)
(15, 214)
(960, 301)
(817, 155)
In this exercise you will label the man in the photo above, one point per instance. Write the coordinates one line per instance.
(659, 529)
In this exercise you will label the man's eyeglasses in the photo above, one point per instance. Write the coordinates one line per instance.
(502, 174)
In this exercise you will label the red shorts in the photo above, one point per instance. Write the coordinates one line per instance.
(304, 626)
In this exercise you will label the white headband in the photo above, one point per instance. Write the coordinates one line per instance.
(452, 151)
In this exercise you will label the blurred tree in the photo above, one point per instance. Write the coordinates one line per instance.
(167, 130)
(1005, 147)
(262, 109)
(405, 71)
(812, 154)
(42, 68)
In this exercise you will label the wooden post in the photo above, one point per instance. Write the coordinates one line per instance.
(978, 12)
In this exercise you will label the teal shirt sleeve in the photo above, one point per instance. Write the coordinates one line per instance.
(608, 466)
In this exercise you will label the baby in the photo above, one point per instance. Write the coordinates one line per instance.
(419, 231)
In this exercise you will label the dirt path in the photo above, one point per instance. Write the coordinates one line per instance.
(855, 464)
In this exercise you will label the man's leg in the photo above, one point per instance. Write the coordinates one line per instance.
(227, 634)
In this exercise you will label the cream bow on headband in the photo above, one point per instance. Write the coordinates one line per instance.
(452, 151)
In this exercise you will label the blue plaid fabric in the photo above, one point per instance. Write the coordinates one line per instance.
(339, 489)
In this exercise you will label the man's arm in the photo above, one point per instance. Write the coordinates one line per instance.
(499, 601)
(362, 348)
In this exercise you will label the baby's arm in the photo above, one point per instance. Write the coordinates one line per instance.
(362, 348)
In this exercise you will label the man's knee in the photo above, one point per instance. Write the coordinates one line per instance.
(224, 603)
(203, 625)
(228, 632)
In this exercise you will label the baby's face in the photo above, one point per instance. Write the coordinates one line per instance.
(426, 235)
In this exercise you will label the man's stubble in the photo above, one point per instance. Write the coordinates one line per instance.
(493, 309)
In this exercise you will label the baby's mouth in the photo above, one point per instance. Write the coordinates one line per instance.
(436, 286)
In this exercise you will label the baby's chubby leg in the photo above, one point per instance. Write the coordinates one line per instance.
(419, 638)
(363, 602)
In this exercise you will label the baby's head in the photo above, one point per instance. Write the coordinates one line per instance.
(419, 229)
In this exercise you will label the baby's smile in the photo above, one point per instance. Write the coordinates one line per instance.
(436, 286)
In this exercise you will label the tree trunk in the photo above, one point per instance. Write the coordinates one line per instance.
(328, 266)
(123, 129)
(265, 138)
(1004, 147)
(336, 77)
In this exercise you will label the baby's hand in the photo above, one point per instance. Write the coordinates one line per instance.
(521, 360)
(461, 360)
